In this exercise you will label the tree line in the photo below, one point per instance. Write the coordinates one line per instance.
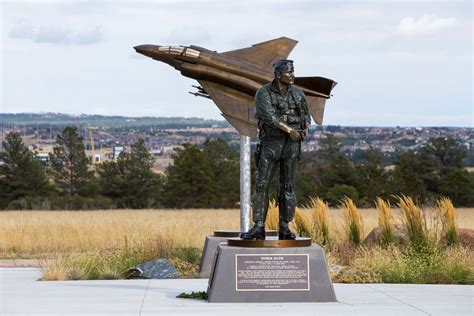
(207, 176)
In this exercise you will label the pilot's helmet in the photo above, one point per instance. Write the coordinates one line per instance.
(283, 65)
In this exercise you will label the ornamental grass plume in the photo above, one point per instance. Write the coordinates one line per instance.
(55, 269)
(272, 222)
(447, 215)
(353, 222)
(301, 224)
(320, 217)
(385, 221)
(414, 221)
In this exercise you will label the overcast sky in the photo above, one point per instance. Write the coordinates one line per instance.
(406, 63)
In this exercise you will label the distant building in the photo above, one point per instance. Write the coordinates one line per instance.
(43, 158)
(117, 151)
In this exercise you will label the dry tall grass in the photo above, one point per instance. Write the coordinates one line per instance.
(447, 216)
(34, 234)
(39, 233)
(414, 220)
(353, 222)
(301, 224)
(273, 219)
(385, 221)
(320, 216)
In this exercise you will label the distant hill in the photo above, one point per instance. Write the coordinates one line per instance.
(55, 119)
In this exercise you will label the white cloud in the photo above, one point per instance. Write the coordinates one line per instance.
(54, 34)
(426, 25)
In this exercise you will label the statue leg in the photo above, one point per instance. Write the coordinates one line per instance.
(265, 171)
(287, 197)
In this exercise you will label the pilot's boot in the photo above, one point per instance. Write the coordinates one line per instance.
(284, 233)
(256, 232)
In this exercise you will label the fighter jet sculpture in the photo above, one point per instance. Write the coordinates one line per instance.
(231, 78)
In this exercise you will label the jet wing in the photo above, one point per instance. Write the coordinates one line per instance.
(237, 107)
(265, 54)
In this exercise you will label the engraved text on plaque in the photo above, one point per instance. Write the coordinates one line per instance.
(272, 272)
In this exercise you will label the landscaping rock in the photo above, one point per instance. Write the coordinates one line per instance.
(376, 234)
(155, 269)
(335, 268)
(466, 237)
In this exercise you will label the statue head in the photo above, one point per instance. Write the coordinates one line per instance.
(284, 71)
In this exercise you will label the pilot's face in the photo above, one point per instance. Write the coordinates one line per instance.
(288, 76)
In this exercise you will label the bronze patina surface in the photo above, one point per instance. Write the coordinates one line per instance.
(236, 233)
(283, 120)
(231, 78)
(271, 242)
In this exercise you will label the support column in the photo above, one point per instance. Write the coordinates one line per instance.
(244, 183)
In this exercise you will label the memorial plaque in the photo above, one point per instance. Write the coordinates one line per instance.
(271, 272)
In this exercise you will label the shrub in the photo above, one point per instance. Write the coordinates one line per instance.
(428, 264)
(356, 275)
(353, 223)
(111, 263)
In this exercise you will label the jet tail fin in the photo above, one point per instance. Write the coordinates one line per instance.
(318, 84)
(316, 103)
(316, 108)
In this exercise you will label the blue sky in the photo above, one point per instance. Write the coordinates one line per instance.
(406, 63)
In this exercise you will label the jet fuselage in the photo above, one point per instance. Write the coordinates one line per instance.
(199, 63)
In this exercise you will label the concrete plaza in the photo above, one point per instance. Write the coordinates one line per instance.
(22, 294)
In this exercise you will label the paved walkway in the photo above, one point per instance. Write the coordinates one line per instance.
(21, 294)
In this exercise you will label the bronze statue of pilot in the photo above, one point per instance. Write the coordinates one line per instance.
(283, 117)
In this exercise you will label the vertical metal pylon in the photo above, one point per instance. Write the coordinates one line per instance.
(244, 183)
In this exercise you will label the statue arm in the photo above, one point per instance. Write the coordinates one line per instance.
(265, 110)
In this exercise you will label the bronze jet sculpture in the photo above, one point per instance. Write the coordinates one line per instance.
(231, 78)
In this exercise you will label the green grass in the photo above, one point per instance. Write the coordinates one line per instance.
(419, 265)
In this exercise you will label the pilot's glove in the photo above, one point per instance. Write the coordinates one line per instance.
(304, 134)
(294, 135)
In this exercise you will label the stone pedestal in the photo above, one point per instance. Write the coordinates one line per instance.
(210, 248)
(271, 272)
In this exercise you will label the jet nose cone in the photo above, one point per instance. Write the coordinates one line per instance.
(147, 50)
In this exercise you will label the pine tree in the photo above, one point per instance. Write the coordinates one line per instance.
(69, 164)
(373, 176)
(130, 180)
(21, 175)
(190, 182)
(446, 152)
(225, 165)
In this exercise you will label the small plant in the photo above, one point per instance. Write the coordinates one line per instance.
(447, 214)
(272, 222)
(353, 223)
(320, 216)
(194, 295)
(385, 221)
(413, 221)
(54, 269)
(186, 269)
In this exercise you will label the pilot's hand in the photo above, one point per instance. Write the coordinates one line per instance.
(294, 135)
(304, 134)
